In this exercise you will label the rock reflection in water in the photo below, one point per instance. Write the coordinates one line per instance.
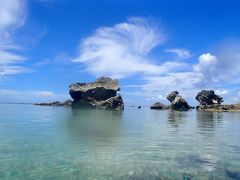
(209, 119)
(94, 123)
(175, 118)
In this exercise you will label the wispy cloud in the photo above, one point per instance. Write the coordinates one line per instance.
(8, 70)
(60, 59)
(123, 50)
(30, 96)
(12, 15)
(180, 52)
(8, 57)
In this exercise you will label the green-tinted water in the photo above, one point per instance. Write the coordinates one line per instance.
(64, 143)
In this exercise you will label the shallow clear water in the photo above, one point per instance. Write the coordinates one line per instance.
(65, 143)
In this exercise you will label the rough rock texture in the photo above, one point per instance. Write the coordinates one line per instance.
(209, 101)
(56, 103)
(208, 97)
(218, 107)
(177, 102)
(159, 105)
(102, 93)
(115, 102)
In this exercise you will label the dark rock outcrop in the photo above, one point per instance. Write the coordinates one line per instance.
(209, 101)
(158, 105)
(102, 93)
(177, 102)
(208, 97)
(56, 103)
(219, 107)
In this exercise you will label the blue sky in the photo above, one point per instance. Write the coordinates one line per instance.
(152, 47)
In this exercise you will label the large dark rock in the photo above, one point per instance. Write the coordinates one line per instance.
(209, 101)
(102, 93)
(208, 97)
(177, 102)
(158, 105)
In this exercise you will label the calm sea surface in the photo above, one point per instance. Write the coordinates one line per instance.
(65, 143)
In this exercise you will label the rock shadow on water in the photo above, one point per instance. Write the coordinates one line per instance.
(196, 162)
(233, 174)
(176, 118)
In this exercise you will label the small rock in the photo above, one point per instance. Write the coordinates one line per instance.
(158, 105)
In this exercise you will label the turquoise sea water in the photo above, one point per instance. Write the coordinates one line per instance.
(65, 143)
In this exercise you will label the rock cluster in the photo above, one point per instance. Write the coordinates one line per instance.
(218, 107)
(102, 93)
(208, 100)
(177, 102)
(56, 103)
(208, 97)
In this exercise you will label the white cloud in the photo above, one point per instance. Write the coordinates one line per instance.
(60, 58)
(207, 67)
(172, 81)
(8, 70)
(10, 63)
(43, 93)
(7, 92)
(221, 68)
(12, 15)
(211, 72)
(180, 52)
(122, 50)
(184, 82)
(125, 49)
(30, 96)
(7, 57)
(222, 92)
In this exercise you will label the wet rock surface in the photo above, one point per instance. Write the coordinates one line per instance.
(103, 93)
(177, 102)
(208, 97)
